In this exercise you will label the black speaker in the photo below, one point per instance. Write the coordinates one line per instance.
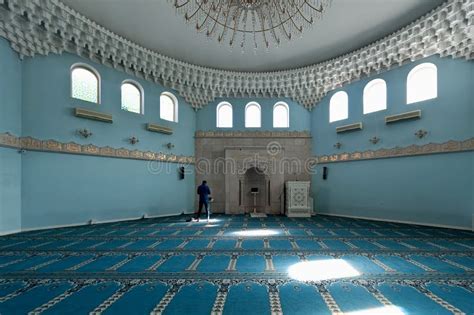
(181, 172)
(325, 172)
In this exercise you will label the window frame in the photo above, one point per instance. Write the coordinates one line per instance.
(331, 104)
(91, 69)
(249, 104)
(142, 95)
(219, 106)
(285, 105)
(369, 85)
(413, 72)
(175, 106)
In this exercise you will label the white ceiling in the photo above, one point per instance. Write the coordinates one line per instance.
(346, 26)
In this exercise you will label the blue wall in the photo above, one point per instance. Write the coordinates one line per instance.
(435, 189)
(60, 189)
(41, 189)
(10, 121)
(300, 118)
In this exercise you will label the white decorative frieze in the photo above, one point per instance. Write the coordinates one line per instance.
(49, 26)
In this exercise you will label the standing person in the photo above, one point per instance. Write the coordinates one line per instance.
(204, 194)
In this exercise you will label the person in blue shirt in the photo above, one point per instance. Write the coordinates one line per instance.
(204, 195)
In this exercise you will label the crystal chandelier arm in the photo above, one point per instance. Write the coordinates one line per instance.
(177, 6)
(272, 31)
(299, 28)
(198, 27)
(320, 10)
(192, 15)
(236, 19)
(262, 22)
(245, 28)
(209, 32)
(301, 13)
(282, 25)
(224, 29)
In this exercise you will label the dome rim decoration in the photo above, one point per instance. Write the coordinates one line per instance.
(57, 28)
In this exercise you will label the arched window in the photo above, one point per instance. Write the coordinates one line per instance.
(281, 115)
(85, 83)
(252, 115)
(168, 107)
(422, 83)
(132, 97)
(339, 106)
(224, 115)
(375, 96)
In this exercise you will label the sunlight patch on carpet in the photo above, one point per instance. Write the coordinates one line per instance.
(259, 232)
(318, 270)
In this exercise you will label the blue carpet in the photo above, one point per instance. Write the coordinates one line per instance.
(238, 265)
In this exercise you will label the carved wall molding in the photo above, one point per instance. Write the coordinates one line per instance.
(32, 144)
(252, 134)
(49, 26)
(412, 150)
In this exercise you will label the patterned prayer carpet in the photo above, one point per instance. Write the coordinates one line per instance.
(239, 265)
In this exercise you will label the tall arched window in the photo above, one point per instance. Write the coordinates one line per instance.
(168, 107)
(339, 106)
(132, 97)
(224, 115)
(85, 83)
(422, 83)
(281, 115)
(375, 96)
(252, 115)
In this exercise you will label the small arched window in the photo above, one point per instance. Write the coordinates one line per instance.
(339, 107)
(224, 115)
(168, 107)
(132, 97)
(252, 115)
(422, 83)
(85, 83)
(375, 96)
(281, 115)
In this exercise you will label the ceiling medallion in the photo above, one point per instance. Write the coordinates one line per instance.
(252, 23)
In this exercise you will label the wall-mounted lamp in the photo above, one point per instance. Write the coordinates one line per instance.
(85, 133)
(169, 145)
(374, 140)
(338, 145)
(133, 140)
(421, 133)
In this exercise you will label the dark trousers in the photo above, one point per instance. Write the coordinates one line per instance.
(202, 203)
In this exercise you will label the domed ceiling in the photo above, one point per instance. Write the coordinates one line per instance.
(346, 25)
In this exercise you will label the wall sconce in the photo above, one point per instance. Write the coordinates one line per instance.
(421, 133)
(133, 140)
(84, 133)
(338, 145)
(374, 140)
(169, 145)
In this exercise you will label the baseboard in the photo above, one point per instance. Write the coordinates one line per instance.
(396, 221)
(10, 232)
(98, 222)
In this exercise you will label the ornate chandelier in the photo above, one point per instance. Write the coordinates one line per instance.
(261, 23)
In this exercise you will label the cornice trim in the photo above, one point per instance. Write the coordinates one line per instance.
(252, 134)
(8, 140)
(52, 27)
(451, 146)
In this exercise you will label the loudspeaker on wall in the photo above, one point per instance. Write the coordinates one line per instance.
(181, 172)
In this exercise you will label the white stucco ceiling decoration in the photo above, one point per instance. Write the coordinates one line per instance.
(49, 26)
